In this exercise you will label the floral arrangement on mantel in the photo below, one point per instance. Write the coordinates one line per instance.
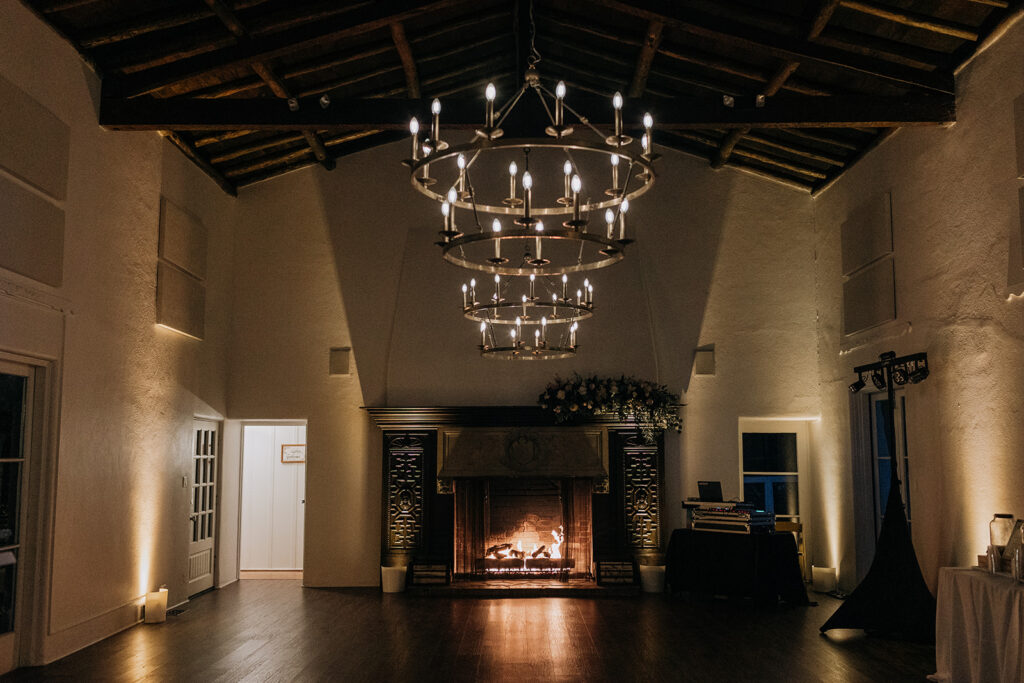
(651, 406)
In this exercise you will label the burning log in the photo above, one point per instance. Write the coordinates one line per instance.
(536, 553)
(495, 549)
(518, 554)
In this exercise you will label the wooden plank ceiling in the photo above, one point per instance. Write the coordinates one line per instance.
(836, 76)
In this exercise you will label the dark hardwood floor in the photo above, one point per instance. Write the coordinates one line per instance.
(279, 631)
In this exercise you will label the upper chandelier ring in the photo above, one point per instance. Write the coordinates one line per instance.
(641, 167)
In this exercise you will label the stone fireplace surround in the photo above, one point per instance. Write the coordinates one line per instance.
(443, 467)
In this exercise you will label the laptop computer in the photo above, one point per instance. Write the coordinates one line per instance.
(710, 491)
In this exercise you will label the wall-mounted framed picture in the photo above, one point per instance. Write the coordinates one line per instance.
(293, 452)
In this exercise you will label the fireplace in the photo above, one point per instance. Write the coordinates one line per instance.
(523, 527)
(486, 496)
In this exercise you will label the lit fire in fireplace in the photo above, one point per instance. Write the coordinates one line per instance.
(505, 550)
(510, 557)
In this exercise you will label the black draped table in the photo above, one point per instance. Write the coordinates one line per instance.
(761, 566)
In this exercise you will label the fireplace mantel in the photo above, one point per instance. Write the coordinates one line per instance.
(426, 450)
(412, 417)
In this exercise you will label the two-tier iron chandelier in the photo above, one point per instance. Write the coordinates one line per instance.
(541, 206)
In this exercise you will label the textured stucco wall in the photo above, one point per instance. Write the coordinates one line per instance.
(347, 258)
(956, 223)
(128, 389)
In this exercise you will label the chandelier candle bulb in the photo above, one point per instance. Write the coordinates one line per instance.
(544, 328)
(483, 335)
(465, 296)
(496, 228)
(497, 288)
(565, 282)
(559, 103)
(576, 186)
(414, 128)
(446, 212)
(615, 173)
(590, 295)
(579, 296)
(532, 276)
(435, 124)
(617, 105)
(489, 93)
(586, 286)
(527, 195)
(567, 171)
(609, 218)
(461, 162)
(623, 208)
(472, 291)
(524, 305)
(519, 330)
(536, 338)
(645, 141)
(512, 170)
(572, 334)
(540, 229)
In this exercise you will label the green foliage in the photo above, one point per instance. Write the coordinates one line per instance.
(651, 406)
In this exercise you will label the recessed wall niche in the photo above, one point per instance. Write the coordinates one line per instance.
(33, 184)
(869, 276)
(181, 271)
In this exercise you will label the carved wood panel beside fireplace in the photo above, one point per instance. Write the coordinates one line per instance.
(502, 492)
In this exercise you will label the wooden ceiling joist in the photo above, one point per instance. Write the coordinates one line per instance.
(394, 114)
(266, 72)
(912, 19)
(412, 79)
(133, 29)
(725, 31)
(377, 16)
(652, 39)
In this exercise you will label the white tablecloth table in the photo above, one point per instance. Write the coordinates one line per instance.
(979, 627)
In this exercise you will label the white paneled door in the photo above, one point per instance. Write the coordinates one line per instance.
(273, 497)
(202, 512)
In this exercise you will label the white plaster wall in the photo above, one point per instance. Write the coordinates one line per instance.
(129, 390)
(957, 223)
(760, 317)
(346, 258)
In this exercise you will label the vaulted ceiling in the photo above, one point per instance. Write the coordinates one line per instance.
(793, 90)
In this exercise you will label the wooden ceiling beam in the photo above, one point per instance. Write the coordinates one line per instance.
(736, 134)
(135, 28)
(393, 114)
(732, 33)
(825, 10)
(652, 39)
(266, 72)
(412, 79)
(376, 16)
(912, 19)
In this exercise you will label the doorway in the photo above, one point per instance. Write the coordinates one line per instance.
(273, 500)
(22, 389)
(202, 542)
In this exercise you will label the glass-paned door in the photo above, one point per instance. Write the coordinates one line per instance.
(205, 448)
(14, 408)
(882, 455)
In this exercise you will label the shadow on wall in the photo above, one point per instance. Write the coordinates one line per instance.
(402, 300)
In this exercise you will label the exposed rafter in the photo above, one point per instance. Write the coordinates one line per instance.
(276, 45)
(731, 32)
(652, 39)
